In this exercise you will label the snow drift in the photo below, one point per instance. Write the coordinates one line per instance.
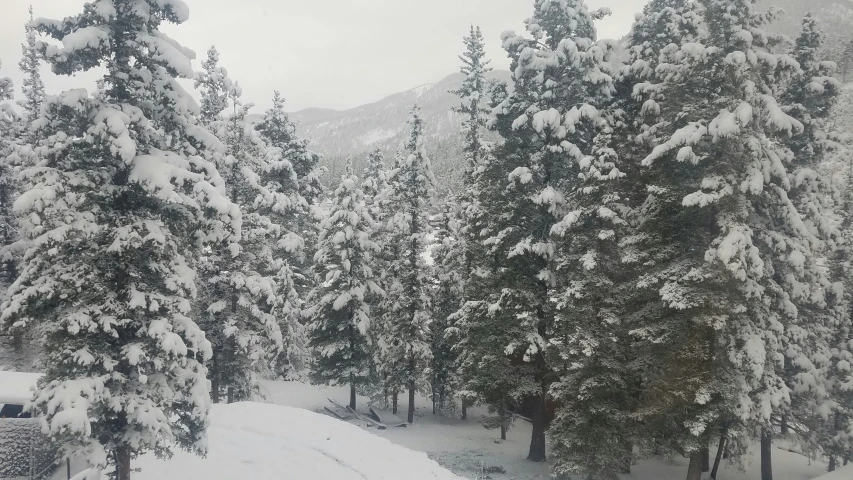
(261, 441)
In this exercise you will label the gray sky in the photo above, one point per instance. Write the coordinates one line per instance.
(322, 53)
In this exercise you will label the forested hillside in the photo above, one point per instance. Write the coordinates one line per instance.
(340, 134)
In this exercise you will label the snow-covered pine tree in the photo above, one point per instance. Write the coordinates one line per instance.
(375, 180)
(718, 200)
(845, 63)
(32, 85)
(389, 371)
(521, 195)
(279, 131)
(10, 342)
(340, 317)
(240, 296)
(448, 284)
(297, 178)
(404, 338)
(473, 95)
(635, 118)
(822, 317)
(215, 86)
(115, 209)
(8, 117)
(592, 433)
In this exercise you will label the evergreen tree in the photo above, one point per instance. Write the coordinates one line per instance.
(8, 119)
(716, 228)
(10, 348)
(821, 318)
(240, 295)
(115, 208)
(341, 318)
(296, 177)
(215, 87)
(448, 284)
(32, 86)
(635, 117)
(593, 431)
(375, 180)
(279, 131)
(473, 95)
(521, 193)
(846, 60)
(404, 348)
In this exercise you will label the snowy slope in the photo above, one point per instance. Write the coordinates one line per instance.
(843, 473)
(382, 124)
(261, 441)
(465, 447)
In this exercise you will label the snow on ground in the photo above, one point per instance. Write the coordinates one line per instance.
(465, 446)
(16, 387)
(843, 473)
(257, 441)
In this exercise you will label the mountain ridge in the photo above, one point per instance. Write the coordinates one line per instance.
(356, 131)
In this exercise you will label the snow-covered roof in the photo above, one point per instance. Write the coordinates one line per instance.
(263, 441)
(16, 387)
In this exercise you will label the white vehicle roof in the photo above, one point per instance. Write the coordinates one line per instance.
(17, 387)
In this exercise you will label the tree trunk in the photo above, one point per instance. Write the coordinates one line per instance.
(706, 460)
(394, 402)
(537, 438)
(502, 414)
(694, 470)
(123, 463)
(845, 460)
(411, 416)
(214, 388)
(831, 467)
(352, 352)
(766, 455)
(629, 458)
(464, 410)
(783, 427)
(720, 448)
(230, 394)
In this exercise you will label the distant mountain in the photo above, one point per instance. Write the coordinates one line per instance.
(382, 124)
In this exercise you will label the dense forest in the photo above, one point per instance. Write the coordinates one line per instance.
(646, 249)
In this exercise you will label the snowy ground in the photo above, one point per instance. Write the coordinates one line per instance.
(262, 442)
(464, 447)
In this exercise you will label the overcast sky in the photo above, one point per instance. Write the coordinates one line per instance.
(322, 53)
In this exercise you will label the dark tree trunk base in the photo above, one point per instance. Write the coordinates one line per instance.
(537, 437)
(411, 416)
(123, 464)
(766, 456)
(694, 469)
(720, 449)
